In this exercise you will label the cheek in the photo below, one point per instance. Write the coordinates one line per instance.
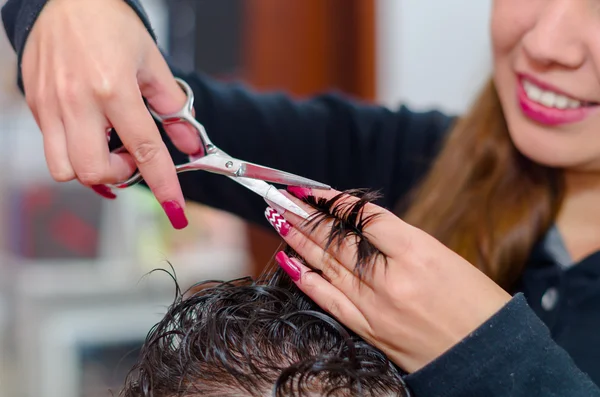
(510, 21)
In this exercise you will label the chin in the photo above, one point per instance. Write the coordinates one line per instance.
(553, 149)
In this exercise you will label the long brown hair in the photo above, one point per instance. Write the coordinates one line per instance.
(482, 198)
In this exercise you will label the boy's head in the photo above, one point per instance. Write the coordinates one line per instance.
(258, 338)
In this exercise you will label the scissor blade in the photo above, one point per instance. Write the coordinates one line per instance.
(270, 192)
(255, 171)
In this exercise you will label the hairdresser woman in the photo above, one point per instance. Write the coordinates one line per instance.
(513, 187)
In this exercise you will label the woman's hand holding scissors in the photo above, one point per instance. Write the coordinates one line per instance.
(414, 308)
(87, 66)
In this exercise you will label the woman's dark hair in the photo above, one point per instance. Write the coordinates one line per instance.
(265, 337)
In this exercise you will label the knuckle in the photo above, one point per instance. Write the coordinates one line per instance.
(419, 253)
(105, 89)
(405, 245)
(69, 94)
(41, 101)
(402, 290)
(47, 104)
(62, 174)
(330, 267)
(333, 307)
(145, 152)
(309, 283)
(350, 280)
(298, 241)
(89, 178)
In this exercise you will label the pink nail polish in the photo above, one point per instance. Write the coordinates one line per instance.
(277, 221)
(198, 154)
(175, 214)
(299, 192)
(104, 191)
(288, 266)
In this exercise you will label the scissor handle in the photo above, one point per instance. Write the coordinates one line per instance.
(185, 114)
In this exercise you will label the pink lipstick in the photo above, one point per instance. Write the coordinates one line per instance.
(546, 115)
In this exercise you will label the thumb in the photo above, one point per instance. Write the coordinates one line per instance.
(165, 96)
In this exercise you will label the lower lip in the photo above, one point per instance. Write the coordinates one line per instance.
(550, 116)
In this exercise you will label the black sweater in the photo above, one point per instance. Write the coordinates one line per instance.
(348, 145)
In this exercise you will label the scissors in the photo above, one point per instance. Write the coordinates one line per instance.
(215, 160)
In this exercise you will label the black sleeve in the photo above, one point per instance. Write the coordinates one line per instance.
(512, 354)
(329, 138)
(18, 17)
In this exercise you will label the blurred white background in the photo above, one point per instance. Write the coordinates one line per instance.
(432, 54)
(66, 324)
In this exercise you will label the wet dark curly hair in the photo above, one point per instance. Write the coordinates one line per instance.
(265, 337)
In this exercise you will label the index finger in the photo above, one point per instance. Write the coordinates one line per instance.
(140, 136)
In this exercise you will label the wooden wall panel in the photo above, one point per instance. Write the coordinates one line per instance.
(285, 45)
(306, 47)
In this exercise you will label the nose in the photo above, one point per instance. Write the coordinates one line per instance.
(558, 36)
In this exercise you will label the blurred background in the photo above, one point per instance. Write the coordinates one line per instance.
(75, 298)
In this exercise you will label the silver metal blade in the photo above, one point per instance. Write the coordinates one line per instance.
(255, 171)
(216, 163)
(271, 193)
(278, 198)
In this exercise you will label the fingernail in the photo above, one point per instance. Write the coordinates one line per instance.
(288, 266)
(199, 153)
(175, 214)
(277, 221)
(299, 192)
(104, 191)
(276, 207)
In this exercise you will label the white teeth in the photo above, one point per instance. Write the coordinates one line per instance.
(532, 91)
(548, 98)
(561, 102)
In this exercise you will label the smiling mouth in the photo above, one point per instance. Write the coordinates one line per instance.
(542, 104)
(552, 99)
